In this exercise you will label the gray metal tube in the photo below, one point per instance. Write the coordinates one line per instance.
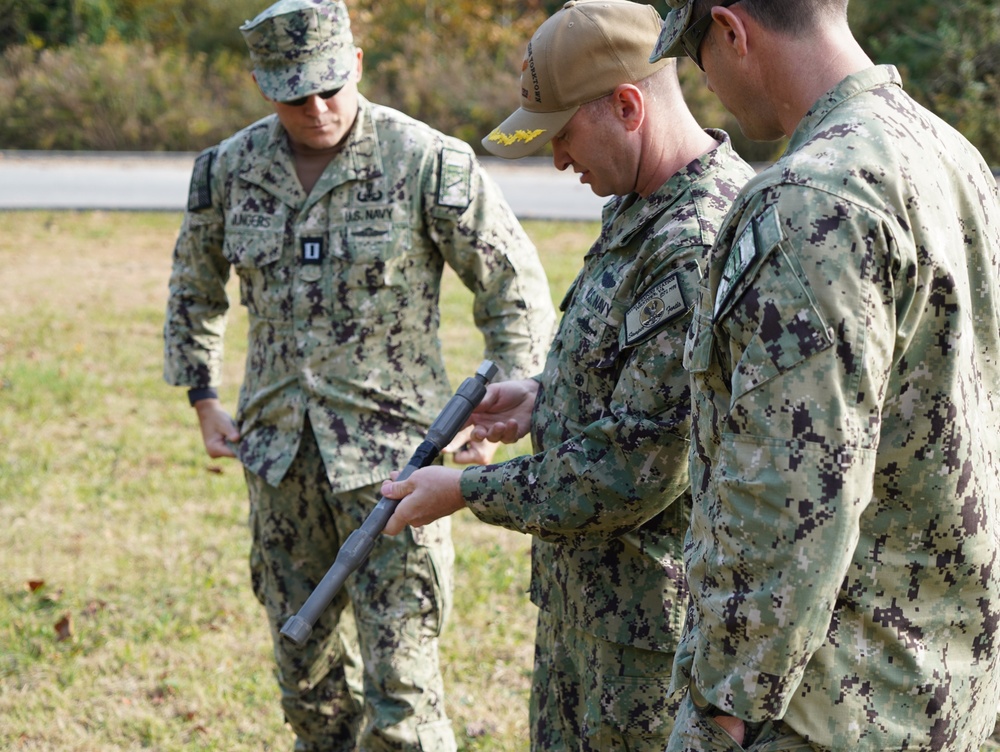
(360, 543)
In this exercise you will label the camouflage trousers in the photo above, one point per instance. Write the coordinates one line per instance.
(591, 695)
(695, 732)
(368, 677)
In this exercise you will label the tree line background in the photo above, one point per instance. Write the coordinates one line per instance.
(172, 75)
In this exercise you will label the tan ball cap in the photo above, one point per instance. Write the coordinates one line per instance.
(581, 53)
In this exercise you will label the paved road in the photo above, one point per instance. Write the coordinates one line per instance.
(159, 182)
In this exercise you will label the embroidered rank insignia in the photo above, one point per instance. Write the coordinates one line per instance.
(497, 136)
(200, 190)
(663, 303)
(312, 250)
(455, 180)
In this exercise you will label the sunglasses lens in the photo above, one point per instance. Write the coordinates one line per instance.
(322, 95)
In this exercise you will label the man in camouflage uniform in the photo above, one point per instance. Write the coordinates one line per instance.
(339, 215)
(843, 550)
(606, 493)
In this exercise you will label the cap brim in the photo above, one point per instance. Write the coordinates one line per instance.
(674, 25)
(288, 82)
(525, 132)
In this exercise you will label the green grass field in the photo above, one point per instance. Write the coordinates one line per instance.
(126, 616)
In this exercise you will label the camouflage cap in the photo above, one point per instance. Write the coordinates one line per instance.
(674, 25)
(581, 53)
(301, 47)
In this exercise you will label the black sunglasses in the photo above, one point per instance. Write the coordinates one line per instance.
(692, 38)
(322, 95)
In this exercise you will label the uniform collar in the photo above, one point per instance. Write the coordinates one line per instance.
(875, 77)
(629, 214)
(361, 159)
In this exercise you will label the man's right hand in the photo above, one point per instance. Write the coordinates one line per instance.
(504, 415)
(217, 428)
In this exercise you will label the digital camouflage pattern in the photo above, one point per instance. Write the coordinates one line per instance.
(675, 23)
(351, 336)
(606, 495)
(843, 549)
(341, 289)
(301, 47)
(388, 617)
(599, 695)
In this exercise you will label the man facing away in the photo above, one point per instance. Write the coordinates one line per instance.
(605, 494)
(843, 550)
(338, 215)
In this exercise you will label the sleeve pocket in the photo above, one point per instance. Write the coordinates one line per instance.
(783, 324)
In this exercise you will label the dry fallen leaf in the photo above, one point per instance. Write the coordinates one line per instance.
(64, 628)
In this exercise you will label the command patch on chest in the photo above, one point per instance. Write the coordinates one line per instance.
(663, 303)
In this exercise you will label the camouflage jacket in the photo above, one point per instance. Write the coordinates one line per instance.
(606, 495)
(843, 552)
(341, 288)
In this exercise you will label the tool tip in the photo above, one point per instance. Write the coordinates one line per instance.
(297, 630)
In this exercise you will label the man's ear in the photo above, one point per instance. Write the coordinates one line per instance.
(254, 77)
(360, 64)
(630, 107)
(733, 31)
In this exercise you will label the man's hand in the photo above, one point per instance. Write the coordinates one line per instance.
(429, 494)
(217, 428)
(504, 415)
(465, 451)
(732, 726)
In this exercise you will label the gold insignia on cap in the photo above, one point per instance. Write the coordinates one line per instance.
(509, 139)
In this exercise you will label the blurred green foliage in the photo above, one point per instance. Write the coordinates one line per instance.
(171, 75)
(948, 55)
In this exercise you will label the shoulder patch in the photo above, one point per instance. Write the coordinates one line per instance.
(759, 236)
(455, 180)
(200, 190)
(662, 303)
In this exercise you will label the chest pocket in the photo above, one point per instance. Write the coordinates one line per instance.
(255, 256)
(377, 268)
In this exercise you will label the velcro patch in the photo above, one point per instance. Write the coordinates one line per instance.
(455, 181)
(200, 190)
(312, 250)
(758, 238)
(663, 303)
